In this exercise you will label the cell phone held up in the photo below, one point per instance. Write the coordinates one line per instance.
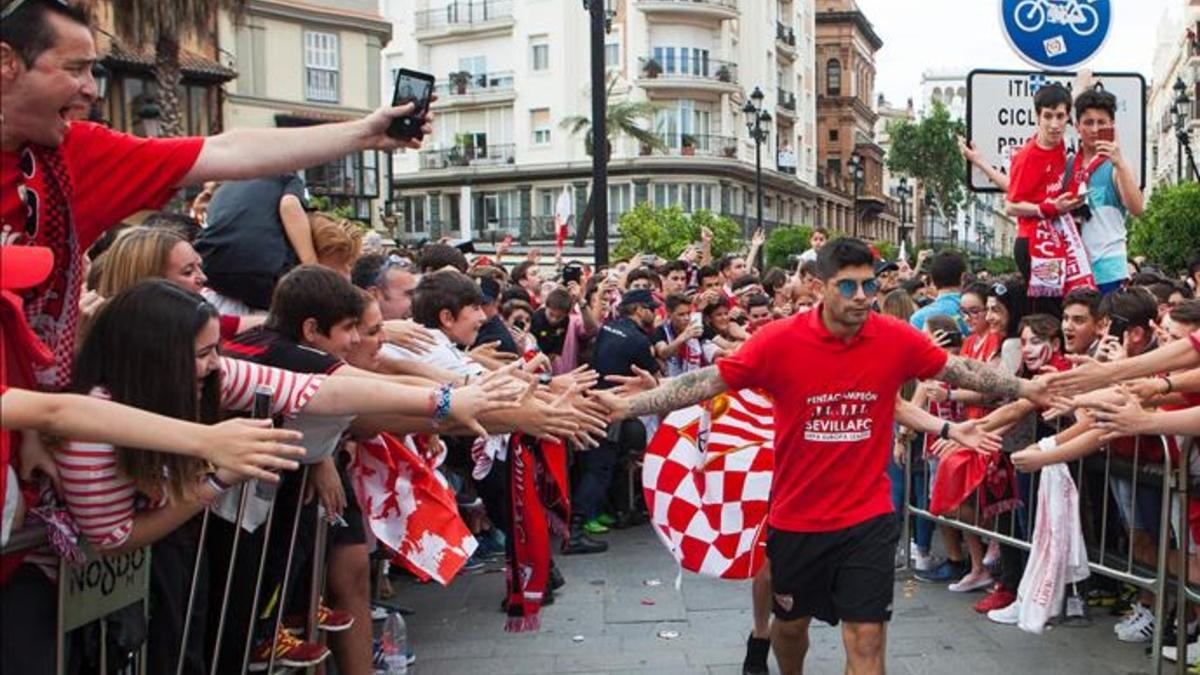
(1105, 134)
(416, 88)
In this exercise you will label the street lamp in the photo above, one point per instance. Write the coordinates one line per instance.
(904, 193)
(757, 121)
(600, 23)
(858, 176)
(1182, 136)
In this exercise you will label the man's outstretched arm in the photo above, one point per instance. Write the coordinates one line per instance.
(673, 394)
(978, 376)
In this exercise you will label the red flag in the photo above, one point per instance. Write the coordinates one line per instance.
(410, 508)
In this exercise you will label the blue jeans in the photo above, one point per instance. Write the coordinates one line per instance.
(922, 528)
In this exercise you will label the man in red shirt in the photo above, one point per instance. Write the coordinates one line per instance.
(1037, 173)
(63, 183)
(834, 375)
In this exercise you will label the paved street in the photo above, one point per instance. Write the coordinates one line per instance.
(458, 630)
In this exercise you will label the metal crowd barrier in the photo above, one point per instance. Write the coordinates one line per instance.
(1112, 564)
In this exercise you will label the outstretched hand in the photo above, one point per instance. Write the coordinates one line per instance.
(495, 391)
(640, 381)
(374, 128)
(252, 448)
(972, 435)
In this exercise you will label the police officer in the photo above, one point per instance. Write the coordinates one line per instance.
(621, 344)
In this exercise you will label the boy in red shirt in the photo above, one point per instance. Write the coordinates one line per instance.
(834, 374)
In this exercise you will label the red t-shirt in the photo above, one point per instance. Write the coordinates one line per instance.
(113, 176)
(1195, 337)
(1034, 175)
(834, 409)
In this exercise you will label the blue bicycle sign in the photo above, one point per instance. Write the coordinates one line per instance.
(1056, 34)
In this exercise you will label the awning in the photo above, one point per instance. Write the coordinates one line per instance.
(122, 58)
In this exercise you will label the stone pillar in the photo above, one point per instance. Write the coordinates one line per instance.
(435, 215)
(525, 201)
(581, 202)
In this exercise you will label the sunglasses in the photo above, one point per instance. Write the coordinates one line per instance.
(1000, 289)
(17, 4)
(848, 288)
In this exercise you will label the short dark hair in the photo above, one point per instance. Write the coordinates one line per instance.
(809, 267)
(559, 299)
(312, 292)
(365, 272)
(817, 230)
(947, 269)
(911, 286)
(1161, 291)
(979, 290)
(758, 300)
(1187, 311)
(507, 309)
(1051, 96)
(726, 261)
(1096, 99)
(1009, 291)
(774, 279)
(674, 300)
(447, 289)
(439, 256)
(707, 272)
(942, 322)
(1136, 305)
(841, 253)
(521, 270)
(744, 281)
(1088, 297)
(1044, 326)
(673, 266)
(638, 273)
(28, 31)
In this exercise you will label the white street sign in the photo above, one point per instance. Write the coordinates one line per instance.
(1000, 116)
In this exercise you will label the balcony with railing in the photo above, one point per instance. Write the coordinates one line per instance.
(696, 145)
(668, 10)
(462, 18)
(706, 74)
(785, 40)
(787, 103)
(464, 88)
(469, 156)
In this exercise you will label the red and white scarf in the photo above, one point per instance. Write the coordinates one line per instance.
(538, 503)
(1058, 261)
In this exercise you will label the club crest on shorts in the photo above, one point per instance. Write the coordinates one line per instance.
(785, 602)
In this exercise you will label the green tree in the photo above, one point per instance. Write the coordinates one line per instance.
(784, 242)
(667, 232)
(631, 118)
(165, 24)
(887, 250)
(928, 152)
(1001, 265)
(1168, 231)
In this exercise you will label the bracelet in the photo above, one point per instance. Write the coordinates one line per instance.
(441, 408)
(1048, 209)
(1170, 386)
(217, 483)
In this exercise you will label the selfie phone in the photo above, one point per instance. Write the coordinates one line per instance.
(572, 273)
(954, 339)
(416, 88)
(261, 410)
(1117, 326)
(1105, 134)
(697, 320)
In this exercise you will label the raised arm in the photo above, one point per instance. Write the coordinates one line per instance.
(1091, 375)
(978, 376)
(672, 394)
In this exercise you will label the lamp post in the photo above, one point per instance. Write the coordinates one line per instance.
(1183, 138)
(904, 193)
(601, 22)
(857, 176)
(757, 119)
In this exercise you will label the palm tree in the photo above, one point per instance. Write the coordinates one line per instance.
(620, 117)
(165, 24)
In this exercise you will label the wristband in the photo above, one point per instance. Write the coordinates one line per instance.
(1048, 209)
(944, 434)
(544, 379)
(1170, 387)
(1048, 443)
(441, 408)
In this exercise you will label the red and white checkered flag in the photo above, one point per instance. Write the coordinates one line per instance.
(707, 480)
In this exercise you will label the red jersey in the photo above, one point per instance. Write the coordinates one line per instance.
(113, 175)
(835, 406)
(1034, 175)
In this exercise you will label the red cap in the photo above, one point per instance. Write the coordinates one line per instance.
(24, 266)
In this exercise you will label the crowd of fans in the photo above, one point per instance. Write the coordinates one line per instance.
(133, 353)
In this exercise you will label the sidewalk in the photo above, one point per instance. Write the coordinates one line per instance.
(459, 630)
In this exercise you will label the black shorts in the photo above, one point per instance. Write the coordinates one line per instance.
(845, 575)
(355, 531)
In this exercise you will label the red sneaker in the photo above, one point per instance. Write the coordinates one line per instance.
(289, 653)
(998, 598)
(328, 620)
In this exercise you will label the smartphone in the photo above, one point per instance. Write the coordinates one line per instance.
(416, 88)
(263, 395)
(572, 273)
(954, 339)
(1105, 134)
(1117, 325)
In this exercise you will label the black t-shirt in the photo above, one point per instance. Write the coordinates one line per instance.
(271, 348)
(244, 246)
(494, 330)
(550, 338)
(620, 345)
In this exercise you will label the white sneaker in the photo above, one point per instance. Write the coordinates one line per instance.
(1134, 612)
(993, 554)
(1192, 656)
(1138, 627)
(924, 562)
(1009, 616)
(972, 582)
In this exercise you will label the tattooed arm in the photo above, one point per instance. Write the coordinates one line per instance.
(978, 376)
(672, 394)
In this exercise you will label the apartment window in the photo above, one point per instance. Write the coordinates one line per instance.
(475, 65)
(612, 55)
(833, 77)
(541, 56)
(620, 199)
(414, 214)
(833, 134)
(321, 66)
(539, 121)
(690, 118)
(691, 60)
(546, 201)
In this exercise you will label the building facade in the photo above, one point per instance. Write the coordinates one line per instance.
(509, 72)
(1176, 59)
(980, 226)
(311, 62)
(846, 121)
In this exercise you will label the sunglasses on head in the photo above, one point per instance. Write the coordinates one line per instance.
(17, 4)
(848, 288)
